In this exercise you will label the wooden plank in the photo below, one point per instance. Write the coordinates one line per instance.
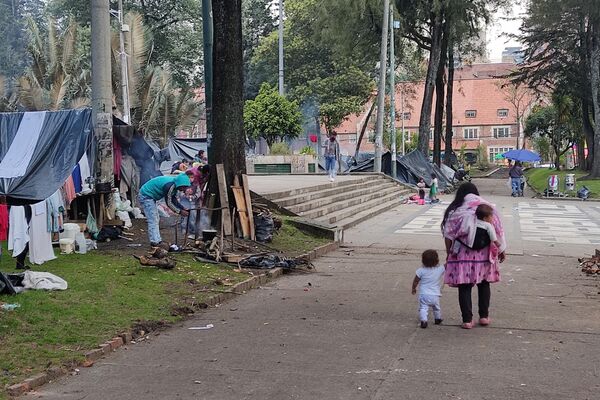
(238, 193)
(249, 206)
(226, 214)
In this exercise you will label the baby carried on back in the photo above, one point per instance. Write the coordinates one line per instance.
(477, 231)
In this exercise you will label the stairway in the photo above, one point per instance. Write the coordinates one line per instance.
(343, 204)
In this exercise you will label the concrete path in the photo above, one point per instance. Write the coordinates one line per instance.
(263, 184)
(349, 331)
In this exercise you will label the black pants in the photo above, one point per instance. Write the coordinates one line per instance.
(21, 257)
(466, 306)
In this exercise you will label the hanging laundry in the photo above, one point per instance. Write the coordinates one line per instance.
(84, 169)
(76, 174)
(117, 156)
(3, 222)
(55, 208)
(18, 232)
(69, 188)
(40, 240)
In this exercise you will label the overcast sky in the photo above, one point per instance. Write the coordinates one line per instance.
(503, 23)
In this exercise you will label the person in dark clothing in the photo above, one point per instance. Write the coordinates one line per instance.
(516, 175)
(21, 257)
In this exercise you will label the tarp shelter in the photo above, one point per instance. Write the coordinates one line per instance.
(38, 151)
(409, 169)
(178, 149)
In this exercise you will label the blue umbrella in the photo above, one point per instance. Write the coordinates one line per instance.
(522, 155)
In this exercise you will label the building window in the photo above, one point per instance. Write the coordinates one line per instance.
(495, 151)
(471, 113)
(406, 116)
(503, 112)
(501, 132)
(470, 133)
(371, 137)
(431, 131)
(353, 139)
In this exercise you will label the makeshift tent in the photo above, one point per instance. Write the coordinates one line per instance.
(38, 151)
(409, 169)
(178, 149)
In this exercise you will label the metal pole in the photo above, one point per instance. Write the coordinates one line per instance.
(281, 89)
(207, 31)
(402, 119)
(381, 89)
(124, 69)
(393, 93)
(102, 89)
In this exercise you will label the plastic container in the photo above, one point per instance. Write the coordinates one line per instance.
(81, 243)
(67, 245)
(70, 231)
(570, 182)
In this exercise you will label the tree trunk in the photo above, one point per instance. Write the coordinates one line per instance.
(595, 84)
(449, 91)
(438, 125)
(228, 85)
(581, 154)
(432, 69)
(556, 157)
(363, 129)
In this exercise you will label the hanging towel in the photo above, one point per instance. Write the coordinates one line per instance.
(76, 174)
(69, 187)
(40, 240)
(17, 158)
(3, 222)
(18, 232)
(84, 169)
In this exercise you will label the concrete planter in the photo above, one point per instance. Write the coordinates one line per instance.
(288, 164)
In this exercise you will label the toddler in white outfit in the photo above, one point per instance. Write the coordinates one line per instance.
(429, 280)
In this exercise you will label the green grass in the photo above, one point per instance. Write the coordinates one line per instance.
(293, 241)
(107, 294)
(538, 179)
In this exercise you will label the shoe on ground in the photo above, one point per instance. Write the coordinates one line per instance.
(423, 324)
(467, 325)
(484, 321)
(438, 321)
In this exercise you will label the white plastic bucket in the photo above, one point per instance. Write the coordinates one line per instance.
(81, 243)
(570, 182)
(70, 231)
(67, 246)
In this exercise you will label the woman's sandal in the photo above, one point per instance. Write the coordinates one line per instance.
(467, 325)
(484, 321)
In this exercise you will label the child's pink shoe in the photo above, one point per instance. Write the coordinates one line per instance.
(484, 321)
(467, 325)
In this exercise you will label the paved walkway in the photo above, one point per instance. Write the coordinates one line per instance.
(350, 330)
(263, 184)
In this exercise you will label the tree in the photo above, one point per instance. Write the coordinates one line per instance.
(228, 83)
(558, 122)
(562, 49)
(272, 116)
(521, 98)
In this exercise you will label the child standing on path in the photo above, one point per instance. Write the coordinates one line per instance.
(429, 279)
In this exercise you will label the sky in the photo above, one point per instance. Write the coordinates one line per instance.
(504, 22)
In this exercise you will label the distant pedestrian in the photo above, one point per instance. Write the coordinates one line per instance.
(429, 280)
(200, 157)
(332, 155)
(469, 264)
(421, 189)
(433, 189)
(516, 175)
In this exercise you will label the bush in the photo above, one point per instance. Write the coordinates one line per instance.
(308, 150)
(280, 149)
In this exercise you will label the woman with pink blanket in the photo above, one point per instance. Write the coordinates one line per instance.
(467, 262)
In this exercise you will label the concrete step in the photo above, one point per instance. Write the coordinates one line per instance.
(310, 189)
(364, 215)
(373, 204)
(346, 201)
(310, 201)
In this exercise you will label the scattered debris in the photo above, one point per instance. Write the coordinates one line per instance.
(9, 307)
(201, 328)
(590, 265)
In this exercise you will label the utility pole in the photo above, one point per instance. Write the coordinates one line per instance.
(124, 66)
(393, 92)
(207, 31)
(402, 119)
(102, 93)
(381, 89)
(281, 89)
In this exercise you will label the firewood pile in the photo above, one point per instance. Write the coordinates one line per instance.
(591, 265)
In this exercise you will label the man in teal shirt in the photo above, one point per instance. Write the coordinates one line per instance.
(162, 187)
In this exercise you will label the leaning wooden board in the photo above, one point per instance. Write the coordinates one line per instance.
(249, 206)
(226, 214)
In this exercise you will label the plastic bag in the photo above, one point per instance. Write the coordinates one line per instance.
(264, 227)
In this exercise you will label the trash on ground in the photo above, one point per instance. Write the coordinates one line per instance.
(268, 261)
(9, 307)
(201, 328)
(590, 265)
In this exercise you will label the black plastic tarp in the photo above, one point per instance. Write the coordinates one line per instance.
(409, 169)
(63, 138)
